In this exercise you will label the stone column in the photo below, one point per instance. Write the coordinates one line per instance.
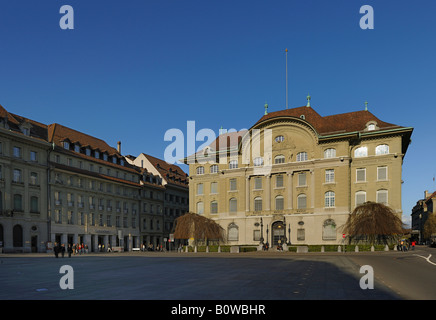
(247, 194)
(312, 189)
(268, 193)
(290, 189)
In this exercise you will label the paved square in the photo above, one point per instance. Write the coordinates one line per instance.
(186, 277)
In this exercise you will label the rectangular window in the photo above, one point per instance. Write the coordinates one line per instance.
(256, 235)
(17, 152)
(257, 183)
(214, 207)
(33, 156)
(33, 178)
(329, 176)
(382, 173)
(233, 186)
(279, 181)
(361, 175)
(301, 234)
(214, 187)
(17, 175)
(302, 179)
(199, 189)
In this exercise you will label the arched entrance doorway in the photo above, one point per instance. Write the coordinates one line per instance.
(278, 233)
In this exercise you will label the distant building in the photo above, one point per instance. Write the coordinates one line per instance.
(421, 211)
(295, 176)
(176, 190)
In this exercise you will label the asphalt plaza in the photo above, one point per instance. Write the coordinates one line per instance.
(188, 276)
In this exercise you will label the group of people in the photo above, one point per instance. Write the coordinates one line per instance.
(151, 247)
(59, 249)
(405, 245)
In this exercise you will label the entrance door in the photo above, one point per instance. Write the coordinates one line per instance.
(278, 233)
(34, 243)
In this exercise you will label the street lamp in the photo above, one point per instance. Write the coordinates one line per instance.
(261, 230)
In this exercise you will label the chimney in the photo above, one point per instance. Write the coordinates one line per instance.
(119, 147)
(425, 194)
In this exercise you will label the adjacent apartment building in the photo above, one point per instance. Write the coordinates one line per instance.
(59, 185)
(295, 176)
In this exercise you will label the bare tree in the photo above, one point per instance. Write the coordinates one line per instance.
(430, 226)
(192, 225)
(373, 223)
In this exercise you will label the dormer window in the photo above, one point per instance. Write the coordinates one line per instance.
(122, 162)
(77, 148)
(114, 160)
(88, 152)
(371, 126)
(105, 156)
(66, 145)
(97, 154)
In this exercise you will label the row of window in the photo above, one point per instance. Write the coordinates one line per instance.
(92, 153)
(301, 156)
(94, 219)
(382, 175)
(329, 201)
(99, 169)
(18, 204)
(329, 232)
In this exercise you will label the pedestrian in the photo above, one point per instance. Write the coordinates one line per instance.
(62, 250)
(413, 245)
(70, 250)
(56, 250)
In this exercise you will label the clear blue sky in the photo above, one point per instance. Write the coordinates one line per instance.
(131, 70)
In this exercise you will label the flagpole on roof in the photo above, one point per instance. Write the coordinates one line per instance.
(286, 53)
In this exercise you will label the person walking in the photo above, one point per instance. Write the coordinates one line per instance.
(70, 250)
(62, 250)
(56, 250)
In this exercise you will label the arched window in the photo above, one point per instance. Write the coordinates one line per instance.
(360, 198)
(258, 162)
(233, 205)
(200, 207)
(200, 170)
(214, 206)
(329, 230)
(381, 149)
(329, 199)
(233, 164)
(279, 203)
(232, 232)
(330, 153)
(382, 196)
(361, 152)
(214, 168)
(279, 159)
(280, 139)
(301, 201)
(258, 204)
(302, 156)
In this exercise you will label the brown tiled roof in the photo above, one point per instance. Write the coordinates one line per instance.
(345, 122)
(58, 133)
(172, 173)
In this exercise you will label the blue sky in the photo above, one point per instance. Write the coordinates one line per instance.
(131, 70)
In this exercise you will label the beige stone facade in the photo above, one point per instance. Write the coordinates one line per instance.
(295, 176)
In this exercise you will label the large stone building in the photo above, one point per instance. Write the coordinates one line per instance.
(295, 176)
(23, 184)
(61, 185)
(94, 192)
(174, 198)
(420, 213)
